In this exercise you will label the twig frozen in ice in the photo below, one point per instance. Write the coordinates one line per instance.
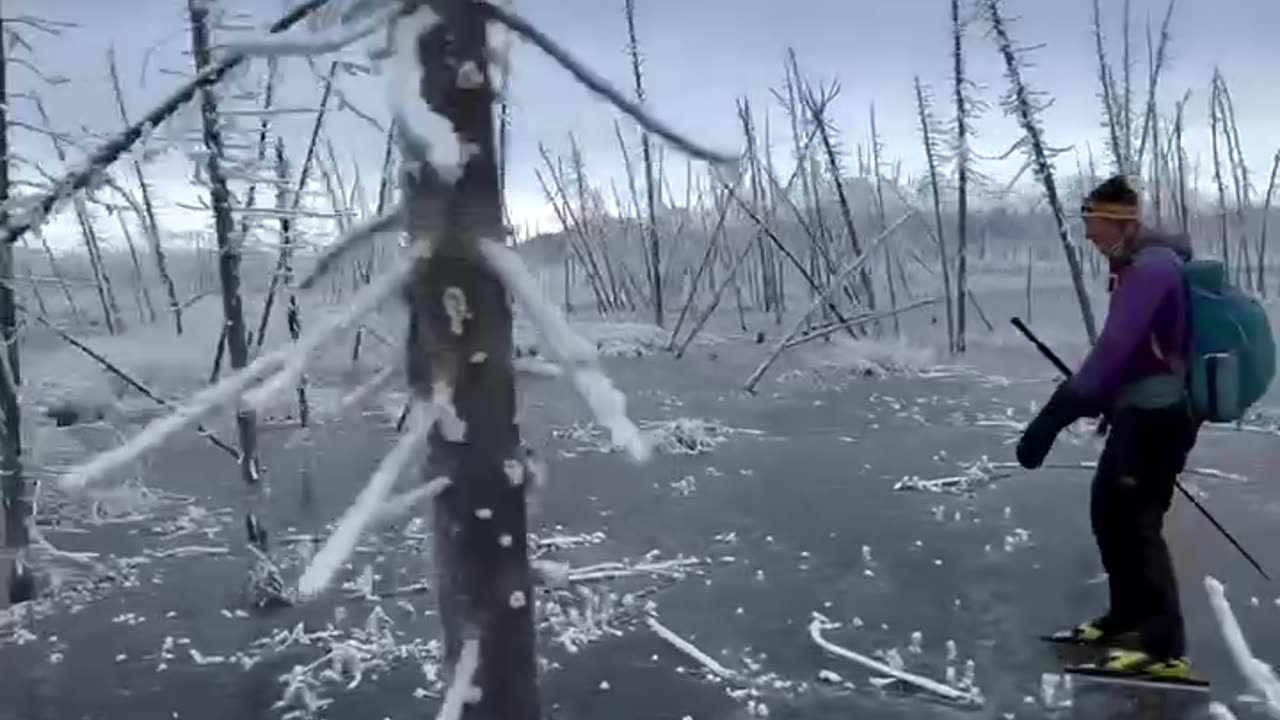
(356, 237)
(568, 348)
(1260, 675)
(462, 690)
(318, 43)
(924, 683)
(339, 546)
(690, 649)
(299, 354)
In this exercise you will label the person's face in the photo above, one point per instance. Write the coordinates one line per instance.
(1110, 236)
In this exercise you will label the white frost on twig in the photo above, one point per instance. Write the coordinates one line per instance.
(1260, 675)
(299, 354)
(430, 135)
(568, 348)
(462, 690)
(319, 43)
(186, 415)
(924, 683)
(339, 546)
(398, 505)
(354, 238)
(690, 649)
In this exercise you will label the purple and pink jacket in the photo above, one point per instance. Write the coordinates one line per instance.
(1147, 330)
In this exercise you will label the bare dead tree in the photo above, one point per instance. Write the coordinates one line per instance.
(1025, 104)
(89, 234)
(929, 137)
(460, 338)
(14, 485)
(1262, 231)
(1180, 157)
(287, 235)
(877, 178)
(148, 220)
(39, 208)
(966, 111)
(1215, 131)
(646, 157)
(229, 252)
(1107, 93)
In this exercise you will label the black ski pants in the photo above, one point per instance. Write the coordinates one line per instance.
(1132, 490)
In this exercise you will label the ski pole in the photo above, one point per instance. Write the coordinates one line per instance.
(1053, 358)
(1062, 367)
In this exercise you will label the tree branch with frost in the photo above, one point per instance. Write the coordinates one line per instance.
(346, 34)
(462, 690)
(571, 350)
(226, 392)
(527, 31)
(1260, 676)
(37, 210)
(355, 238)
(690, 649)
(157, 432)
(368, 299)
(342, 542)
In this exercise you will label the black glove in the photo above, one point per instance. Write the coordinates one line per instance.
(1064, 407)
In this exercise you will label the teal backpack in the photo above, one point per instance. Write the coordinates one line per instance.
(1233, 353)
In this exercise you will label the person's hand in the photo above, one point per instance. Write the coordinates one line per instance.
(1064, 407)
(1036, 441)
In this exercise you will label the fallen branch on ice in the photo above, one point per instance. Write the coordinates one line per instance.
(690, 649)
(924, 683)
(983, 472)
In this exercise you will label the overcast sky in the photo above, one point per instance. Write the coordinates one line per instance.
(700, 56)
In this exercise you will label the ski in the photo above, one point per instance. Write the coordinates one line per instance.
(1101, 674)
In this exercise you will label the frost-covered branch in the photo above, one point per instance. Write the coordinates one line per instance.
(408, 448)
(600, 86)
(462, 690)
(690, 649)
(945, 691)
(158, 431)
(318, 43)
(356, 237)
(569, 349)
(368, 299)
(34, 212)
